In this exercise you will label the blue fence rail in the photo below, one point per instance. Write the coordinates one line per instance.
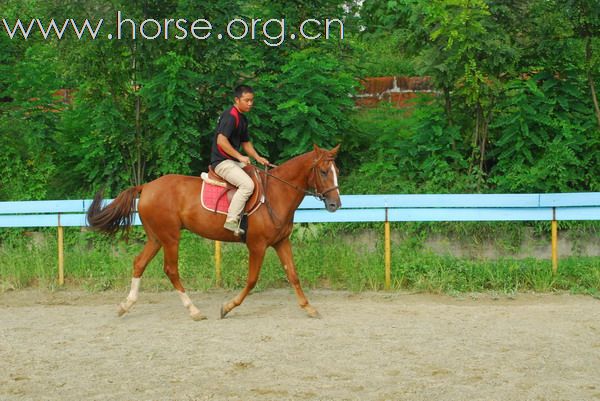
(463, 207)
(361, 208)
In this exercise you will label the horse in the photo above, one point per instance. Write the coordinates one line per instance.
(172, 203)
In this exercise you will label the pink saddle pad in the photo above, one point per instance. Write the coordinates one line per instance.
(214, 198)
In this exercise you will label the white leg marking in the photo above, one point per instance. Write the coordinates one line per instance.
(135, 289)
(187, 302)
(132, 297)
(185, 299)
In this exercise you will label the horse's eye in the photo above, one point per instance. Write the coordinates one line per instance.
(324, 173)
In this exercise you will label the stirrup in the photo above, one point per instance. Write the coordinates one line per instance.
(234, 226)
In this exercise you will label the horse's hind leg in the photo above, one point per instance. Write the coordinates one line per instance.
(139, 265)
(171, 252)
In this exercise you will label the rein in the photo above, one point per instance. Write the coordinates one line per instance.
(315, 193)
(321, 196)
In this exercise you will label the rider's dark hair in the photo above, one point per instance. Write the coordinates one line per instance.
(241, 89)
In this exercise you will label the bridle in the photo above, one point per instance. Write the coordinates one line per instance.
(314, 176)
(319, 195)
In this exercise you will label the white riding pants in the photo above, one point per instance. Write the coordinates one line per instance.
(232, 171)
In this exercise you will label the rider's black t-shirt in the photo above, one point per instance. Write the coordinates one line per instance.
(234, 126)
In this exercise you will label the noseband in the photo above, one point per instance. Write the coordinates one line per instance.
(314, 192)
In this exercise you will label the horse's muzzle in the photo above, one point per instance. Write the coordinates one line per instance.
(332, 205)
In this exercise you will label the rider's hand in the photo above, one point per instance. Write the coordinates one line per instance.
(244, 159)
(262, 161)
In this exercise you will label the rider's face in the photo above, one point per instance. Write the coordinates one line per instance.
(245, 102)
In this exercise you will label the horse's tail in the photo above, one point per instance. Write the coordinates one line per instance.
(116, 215)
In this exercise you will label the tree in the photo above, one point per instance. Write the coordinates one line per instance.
(584, 16)
(142, 108)
(172, 102)
(28, 111)
(306, 102)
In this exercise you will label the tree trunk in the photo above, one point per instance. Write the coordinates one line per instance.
(588, 63)
(484, 140)
(136, 162)
(448, 105)
(138, 142)
(482, 131)
(448, 109)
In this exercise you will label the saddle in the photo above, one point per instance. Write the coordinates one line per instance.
(217, 192)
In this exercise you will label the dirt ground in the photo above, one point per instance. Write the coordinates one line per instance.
(70, 345)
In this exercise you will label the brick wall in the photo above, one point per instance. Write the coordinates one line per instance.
(398, 90)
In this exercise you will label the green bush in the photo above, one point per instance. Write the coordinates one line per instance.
(326, 256)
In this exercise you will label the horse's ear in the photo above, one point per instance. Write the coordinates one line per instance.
(317, 149)
(335, 150)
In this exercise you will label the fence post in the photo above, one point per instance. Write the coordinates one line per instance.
(218, 263)
(61, 254)
(388, 252)
(554, 242)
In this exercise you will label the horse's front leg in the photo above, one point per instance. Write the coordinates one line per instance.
(284, 251)
(257, 254)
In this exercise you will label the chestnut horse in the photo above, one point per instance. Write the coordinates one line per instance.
(172, 202)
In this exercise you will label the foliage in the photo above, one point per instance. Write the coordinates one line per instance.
(436, 157)
(415, 152)
(172, 100)
(514, 109)
(26, 123)
(142, 108)
(99, 146)
(306, 101)
(325, 257)
(381, 130)
(383, 55)
(546, 138)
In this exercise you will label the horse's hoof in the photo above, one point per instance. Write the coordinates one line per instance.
(223, 313)
(198, 316)
(312, 312)
(121, 310)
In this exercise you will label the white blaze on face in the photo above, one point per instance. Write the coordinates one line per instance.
(335, 181)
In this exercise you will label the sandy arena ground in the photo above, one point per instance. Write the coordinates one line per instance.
(70, 345)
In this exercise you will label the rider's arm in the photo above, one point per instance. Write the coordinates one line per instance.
(224, 143)
(250, 151)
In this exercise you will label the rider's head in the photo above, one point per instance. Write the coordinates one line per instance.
(243, 98)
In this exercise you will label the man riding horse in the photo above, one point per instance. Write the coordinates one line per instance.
(172, 203)
(227, 161)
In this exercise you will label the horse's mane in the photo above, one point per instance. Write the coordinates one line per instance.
(284, 167)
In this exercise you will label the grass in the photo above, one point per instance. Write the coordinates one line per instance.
(323, 260)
